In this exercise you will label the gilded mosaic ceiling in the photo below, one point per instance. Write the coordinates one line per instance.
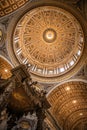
(5, 68)
(69, 104)
(49, 39)
(8, 6)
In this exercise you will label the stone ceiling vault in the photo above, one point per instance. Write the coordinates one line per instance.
(9, 6)
(69, 104)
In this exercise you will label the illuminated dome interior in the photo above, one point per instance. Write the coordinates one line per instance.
(49, 39)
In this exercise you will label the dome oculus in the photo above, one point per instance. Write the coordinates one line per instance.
(49, 35)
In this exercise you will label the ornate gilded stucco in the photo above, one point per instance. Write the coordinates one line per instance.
(8, 6)
(5, 68)
(49, 39)
(69, 104)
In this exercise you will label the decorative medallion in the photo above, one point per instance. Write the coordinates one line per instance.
(49, 39)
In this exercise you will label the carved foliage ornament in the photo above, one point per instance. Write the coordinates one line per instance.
(49, 39)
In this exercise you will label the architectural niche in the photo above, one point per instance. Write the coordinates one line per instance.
(5, 69)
